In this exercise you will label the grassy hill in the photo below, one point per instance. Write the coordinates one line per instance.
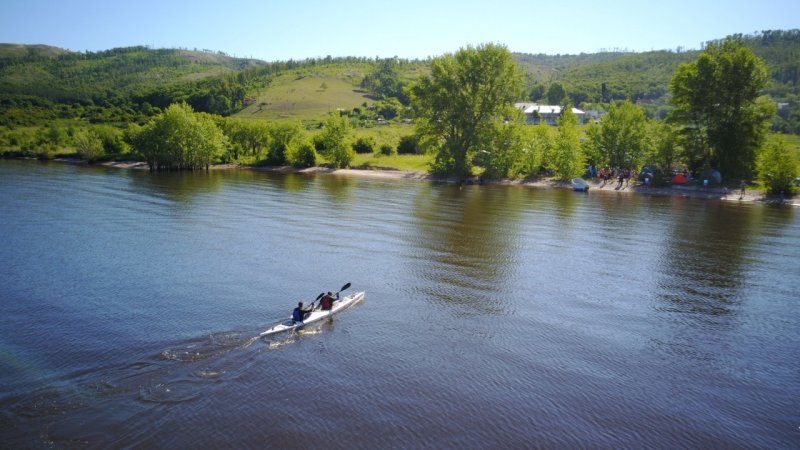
(309, 94)
(40, 83)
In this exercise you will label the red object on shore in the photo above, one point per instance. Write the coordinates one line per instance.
(679, 179)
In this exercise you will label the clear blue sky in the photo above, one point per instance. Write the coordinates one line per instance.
(299, 29)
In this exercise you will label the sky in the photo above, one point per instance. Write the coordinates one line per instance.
(299, 29)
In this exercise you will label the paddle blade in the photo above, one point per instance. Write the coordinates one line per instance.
(344, 287)
(320, 296)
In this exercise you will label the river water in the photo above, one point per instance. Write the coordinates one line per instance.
(494, 316)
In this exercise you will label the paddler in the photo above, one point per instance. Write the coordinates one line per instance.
(326, 304)
(299, 314)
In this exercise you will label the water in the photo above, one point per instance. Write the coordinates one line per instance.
(494, 317)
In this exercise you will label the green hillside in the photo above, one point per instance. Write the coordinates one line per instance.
(39, 83)
(309, 94)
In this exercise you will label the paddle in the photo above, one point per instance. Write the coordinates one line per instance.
(343, 288)
(317, 299)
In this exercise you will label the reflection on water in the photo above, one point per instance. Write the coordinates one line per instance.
(179, 187)
(708, 254)
(465, 240)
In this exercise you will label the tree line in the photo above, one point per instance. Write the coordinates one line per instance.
(463, 110)
(719, 121)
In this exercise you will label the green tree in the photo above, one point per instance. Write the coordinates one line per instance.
(365, 144)
(461, 102)
(179, 138)
(112, 139)
(389, 108)
(408, 145)
(537, 142)
(251, 135)
(664, 150)
(89, 146)
(283, 136)
(556, 94)
(302, 155)
(777, 168)
(334, 141)
(716, 101)
(567, 158)
(503, 150)
(622, 139)
(385, 80)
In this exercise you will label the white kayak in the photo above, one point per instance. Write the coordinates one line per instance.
(316, 315)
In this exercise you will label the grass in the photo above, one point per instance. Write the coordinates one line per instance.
(385, 134)
(308, 95)
(792, 142)
(411, 163)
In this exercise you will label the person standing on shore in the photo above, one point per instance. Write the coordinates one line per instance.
(742, 189)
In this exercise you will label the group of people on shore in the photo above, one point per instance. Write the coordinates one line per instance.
(608, 174)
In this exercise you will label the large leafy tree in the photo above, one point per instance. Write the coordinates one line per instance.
(777, 168)
(385, 80)
(179, 138)
(664, 149)
(716, 101)
(462, 101)
(556, 94)
(566, 157)
(284, 136)
(622, 138)
(335, 141)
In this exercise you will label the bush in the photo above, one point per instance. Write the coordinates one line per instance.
(319, 143)
(387, 150)
(408, 145)
(303, 155)
(777, 168)
(364, 145)
(89, 145)
(111, 138)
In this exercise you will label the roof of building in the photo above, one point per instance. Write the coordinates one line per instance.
(529, 108)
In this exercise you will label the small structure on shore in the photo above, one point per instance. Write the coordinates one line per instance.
(536, 113)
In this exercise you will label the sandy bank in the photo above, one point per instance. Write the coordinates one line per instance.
(720, 194)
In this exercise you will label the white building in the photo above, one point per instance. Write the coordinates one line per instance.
(535, 113)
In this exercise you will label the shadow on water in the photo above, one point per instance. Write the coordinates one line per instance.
(465, 242)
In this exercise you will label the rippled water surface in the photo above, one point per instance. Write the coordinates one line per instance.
(494, 316)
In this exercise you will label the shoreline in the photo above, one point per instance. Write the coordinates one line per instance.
(719, 194)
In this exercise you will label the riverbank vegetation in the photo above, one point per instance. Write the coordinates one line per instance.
(658, 109)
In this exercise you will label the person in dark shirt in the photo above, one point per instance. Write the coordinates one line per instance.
(326, 304)
(299, 314)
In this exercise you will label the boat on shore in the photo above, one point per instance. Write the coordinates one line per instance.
(580, 185)
(316, 315)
